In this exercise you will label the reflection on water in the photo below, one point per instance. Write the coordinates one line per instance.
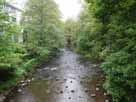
(65, 79)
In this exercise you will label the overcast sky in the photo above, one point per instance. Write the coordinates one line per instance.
(68, 8)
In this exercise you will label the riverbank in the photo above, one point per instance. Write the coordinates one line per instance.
(65, 78)
(25, 76)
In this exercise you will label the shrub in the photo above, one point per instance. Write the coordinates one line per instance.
(120, 76)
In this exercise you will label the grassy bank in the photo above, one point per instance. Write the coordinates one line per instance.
(13, 76)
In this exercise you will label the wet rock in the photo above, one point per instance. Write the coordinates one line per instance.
(57, 79)
(105, 93)
(46, 68)
(2, 98)
(22, 81)
(86, 90)
(61, 92)
(72, 91)
(52, 69)
(97, 89)
(19, 90)
(107, 100)
(28, 80)
(94, 65)
(32, 79)
(93, 95)
(54, 88)
(65, 79)
(23, 84)
(80, 97)
(66, 87)
(81, 82)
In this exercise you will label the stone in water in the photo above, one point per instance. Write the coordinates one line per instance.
(72, 91)
(107, 100)
(97, 89)
(93, 95)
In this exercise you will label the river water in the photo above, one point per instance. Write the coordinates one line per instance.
(67, 78)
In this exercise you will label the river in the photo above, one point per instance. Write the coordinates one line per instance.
(67, 78)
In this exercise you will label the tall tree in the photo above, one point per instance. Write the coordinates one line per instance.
(109, 33)
(70, 27)
(8, 46)
(11, 52)
(42, 26)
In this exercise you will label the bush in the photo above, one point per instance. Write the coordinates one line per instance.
(25, 67)
(107, 31)
(120, 76)
(10, 76)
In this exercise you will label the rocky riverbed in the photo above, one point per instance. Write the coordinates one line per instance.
(67, 78)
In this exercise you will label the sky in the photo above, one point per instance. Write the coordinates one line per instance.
(70, 9)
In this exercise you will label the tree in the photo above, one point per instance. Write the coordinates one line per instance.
(70, 28)
(8, 29)
(11, 52)
(108, 32)
(42, 27)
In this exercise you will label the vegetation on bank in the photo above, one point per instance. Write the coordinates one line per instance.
(107, 31)
(42, 36)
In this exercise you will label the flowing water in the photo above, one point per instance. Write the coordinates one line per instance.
(66, 78)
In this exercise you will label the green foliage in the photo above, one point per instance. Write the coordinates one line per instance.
(42, 36)
(8, 84)
(108, 31)
(44, 54)
(42, 28)
(120, 70)
(9, 50)
(89, 40)
(25, 67)
(70, 29)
